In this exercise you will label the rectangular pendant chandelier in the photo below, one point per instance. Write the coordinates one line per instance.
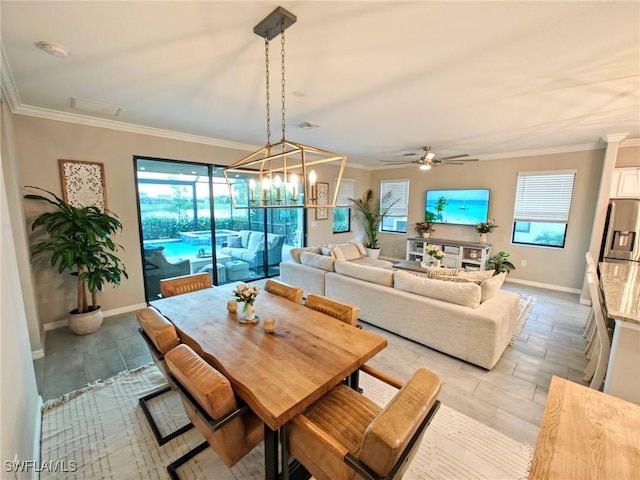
(284, 174)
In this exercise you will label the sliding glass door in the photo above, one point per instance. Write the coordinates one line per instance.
(188, 225)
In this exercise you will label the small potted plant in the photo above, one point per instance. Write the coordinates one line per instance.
(485, 227)
(79, 241)
(499, 263)
(424, 229)
(436, 255)
(247, 294)
(370, 214)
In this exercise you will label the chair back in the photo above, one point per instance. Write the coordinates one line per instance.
(159, 334)
(283, 290)
(210, 392)
(591, 264)
(397, 431)
(601, 325)
(184, 284)
(342, 311)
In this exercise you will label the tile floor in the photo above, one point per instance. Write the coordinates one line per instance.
(510, 398)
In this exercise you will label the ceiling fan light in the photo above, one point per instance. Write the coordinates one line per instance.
(425, 166)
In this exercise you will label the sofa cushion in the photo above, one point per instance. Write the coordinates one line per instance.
(360, 246)
(256, 241)
(477, 276)
(347, 252)
(273, 240)
(491, 286)
(374, 262)
(466, 294)
(295, 252)
(380, 276)
(317, 261)
(244, 235)
(234, 242)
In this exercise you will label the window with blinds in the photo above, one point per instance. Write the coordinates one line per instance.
(396, 218)
(542, 207)
(342, 212)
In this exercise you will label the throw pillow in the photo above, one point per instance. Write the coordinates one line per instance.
(491, 286)
(449, 278)
(380, 276)
(234, 242)
(347, 252)
(327, 251)
(317, 261)
(295, 252)
(477, 276)
(465, 294)
(256, 242)
(360, 245)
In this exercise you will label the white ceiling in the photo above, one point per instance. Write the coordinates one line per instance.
(380, 78)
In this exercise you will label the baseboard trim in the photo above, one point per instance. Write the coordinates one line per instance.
(548, 286)
(585, 301)
(107, 313)
(36, 354)
(37, 433)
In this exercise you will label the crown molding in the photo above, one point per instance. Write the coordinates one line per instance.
(7, 83)
(543, 151)
(630, 142)
(614, 137)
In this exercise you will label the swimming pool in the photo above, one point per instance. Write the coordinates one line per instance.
(190, 243)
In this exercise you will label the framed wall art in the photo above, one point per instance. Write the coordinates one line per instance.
(83, 184)
(322, 213)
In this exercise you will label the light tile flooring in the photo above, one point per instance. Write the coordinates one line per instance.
(510, 398)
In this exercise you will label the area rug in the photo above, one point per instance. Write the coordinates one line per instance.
(524, 310)
(103, 431)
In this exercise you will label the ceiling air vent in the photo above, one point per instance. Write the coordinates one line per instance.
(95, 107)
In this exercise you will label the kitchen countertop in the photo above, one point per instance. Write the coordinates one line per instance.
(621, 288)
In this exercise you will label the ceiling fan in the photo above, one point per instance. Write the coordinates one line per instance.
(428, 159)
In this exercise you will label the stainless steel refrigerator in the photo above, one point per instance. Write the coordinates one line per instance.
(621, 242)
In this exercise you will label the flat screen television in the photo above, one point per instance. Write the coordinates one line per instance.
(457, 207)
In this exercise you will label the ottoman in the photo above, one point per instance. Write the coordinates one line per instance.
(222, 273)
(236, 270)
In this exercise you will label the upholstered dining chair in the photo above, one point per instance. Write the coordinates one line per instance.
(344, 435)
(342, 311)
(160, 336)
(283, 290)
(599, 360)
(184, 284)
(232, 430)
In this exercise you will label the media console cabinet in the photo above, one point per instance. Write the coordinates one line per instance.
(457, 254)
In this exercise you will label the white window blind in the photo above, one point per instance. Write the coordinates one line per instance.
(544, 197)
(347, 191)
(399, 191)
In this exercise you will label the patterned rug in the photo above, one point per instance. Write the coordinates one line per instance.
(524, 310)
(103, 431)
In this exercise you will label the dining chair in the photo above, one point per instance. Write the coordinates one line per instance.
(283, 290)
(342, 311)
(160, 336)
(184, 284)
(232, 430)
(345, 435)
(597, 367)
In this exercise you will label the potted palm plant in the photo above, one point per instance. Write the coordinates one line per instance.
(424, 229)
(370, 212)
(79, 241)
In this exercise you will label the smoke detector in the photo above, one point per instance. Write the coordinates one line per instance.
(54, 49)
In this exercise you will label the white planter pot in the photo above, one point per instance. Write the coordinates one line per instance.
(373, 253)
(86, 323)
(426, 234)
(483, 238)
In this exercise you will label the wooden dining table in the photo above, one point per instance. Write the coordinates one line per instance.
(277, 374)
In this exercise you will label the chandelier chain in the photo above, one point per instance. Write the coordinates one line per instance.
(266, 54)
(282, 82)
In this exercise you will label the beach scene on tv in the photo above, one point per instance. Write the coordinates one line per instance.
(457, 207)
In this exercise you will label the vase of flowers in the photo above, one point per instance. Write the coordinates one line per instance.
(436, 255)
(247, 294)
(485, 227)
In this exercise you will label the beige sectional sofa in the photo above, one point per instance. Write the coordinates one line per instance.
(471, 319)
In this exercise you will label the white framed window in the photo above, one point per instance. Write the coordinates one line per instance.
(396, 218)
(342, 212)
(542, 208)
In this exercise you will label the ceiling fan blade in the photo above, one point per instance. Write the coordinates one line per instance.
(397, 163)
(444, 164)
(455, 156)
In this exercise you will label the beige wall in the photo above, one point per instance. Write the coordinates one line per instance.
(550, 266)
(20, 403)
(40, 143)
(628, 157)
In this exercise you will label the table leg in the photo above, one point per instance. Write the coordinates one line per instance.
(354, 380)
(270, 453)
